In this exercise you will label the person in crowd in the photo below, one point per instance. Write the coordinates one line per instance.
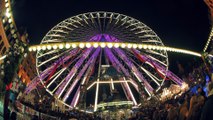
(183, 111)
(207, 113)
(172, 112)
(13, 116)
(196, 104)
(155, 114)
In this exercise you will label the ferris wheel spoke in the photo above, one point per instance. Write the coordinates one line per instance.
(133, 68)
(68, 64)
(155, 59)
(156, 53)
(76, 98)
(73, 72)
(53, 41)
(69, 23)
(155, 79)
(153, 64)
(89, 62)
(163, 70)
(47, 53)
(55, 76)
(85, 19)
(151, 41)
(148, 36)
(63, 26)
(115, 62)
(57, 30)
(113, 22)
(109, 22)
(92, 18)
(64, 59)
(64, 67)
(52, 58)
(57, 86)
(99, 22)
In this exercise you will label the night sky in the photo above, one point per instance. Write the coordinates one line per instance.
(179, 23)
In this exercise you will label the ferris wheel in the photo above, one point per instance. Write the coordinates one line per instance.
(99, 59)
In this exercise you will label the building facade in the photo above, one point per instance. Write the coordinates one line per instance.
(4, 30)
(8, 35)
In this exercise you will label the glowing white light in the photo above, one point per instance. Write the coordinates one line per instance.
(116, 45)
(12, 31)
(61, 46)
(44, 47)
(140, 46)
(81, 45)
(8, 14)
(34, 48)
(74, 45)
(129, 45)
(10, 20)
(135, 46)
(103, 45)
(38, 48)
(157, 47)
(3, 20)
(49, 47)
(109, 45)
(145, 46)
(123, 45)
(8, 9)
(67, 46)
(30, 49)
(149, 47)
(7, 4)
(6, 0)
(55, 46)
(95, 45)
(88, 45)
(153, 47)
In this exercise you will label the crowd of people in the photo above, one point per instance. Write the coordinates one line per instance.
(189, 106)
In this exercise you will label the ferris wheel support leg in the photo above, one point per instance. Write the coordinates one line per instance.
(96, 95)
(97, 84)
(130, 92)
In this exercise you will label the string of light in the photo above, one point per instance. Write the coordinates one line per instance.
(110, 45)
